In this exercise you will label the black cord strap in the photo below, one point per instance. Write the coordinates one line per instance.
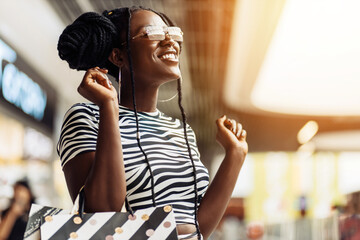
(196, 200)
(135, 110)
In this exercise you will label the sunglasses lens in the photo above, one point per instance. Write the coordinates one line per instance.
(155, 33)
(178, 38)
(156, 36)
(175, 33)
(158, 33)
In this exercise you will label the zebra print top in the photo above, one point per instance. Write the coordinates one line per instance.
(162, 139)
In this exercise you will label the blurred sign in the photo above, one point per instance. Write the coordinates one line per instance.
(19, 88)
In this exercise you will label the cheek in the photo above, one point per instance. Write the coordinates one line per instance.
(143, 59)
(143, 49)
(144, 63)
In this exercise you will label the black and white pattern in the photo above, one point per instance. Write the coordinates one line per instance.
(151, 223)
(162, 139)
(37, 212)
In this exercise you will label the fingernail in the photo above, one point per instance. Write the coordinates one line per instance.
(243, 132)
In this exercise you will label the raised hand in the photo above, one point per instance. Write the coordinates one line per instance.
(96, 87)
(231, 135)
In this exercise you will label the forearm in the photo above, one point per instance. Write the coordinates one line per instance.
(6, 225)
(105, 187)
(217, 197)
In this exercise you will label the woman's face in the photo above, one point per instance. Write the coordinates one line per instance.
(22, 197)
(154, 61)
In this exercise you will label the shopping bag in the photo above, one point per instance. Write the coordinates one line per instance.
(37, 212)
(154, 223)
(53, 223)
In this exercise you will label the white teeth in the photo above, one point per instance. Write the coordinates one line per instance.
(168, 56)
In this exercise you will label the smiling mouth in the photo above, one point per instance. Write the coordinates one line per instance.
(169, 56)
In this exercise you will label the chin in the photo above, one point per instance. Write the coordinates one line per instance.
(175, 74)
(174, 77)
(169, 76)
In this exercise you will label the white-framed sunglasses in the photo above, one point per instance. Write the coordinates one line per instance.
(158, 33)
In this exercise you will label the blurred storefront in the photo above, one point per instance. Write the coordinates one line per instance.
(295, 195)
(27, 112)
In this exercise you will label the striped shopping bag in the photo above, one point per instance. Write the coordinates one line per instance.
(37, 212)
(152, 223)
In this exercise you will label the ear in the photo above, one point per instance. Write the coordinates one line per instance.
(116, 57)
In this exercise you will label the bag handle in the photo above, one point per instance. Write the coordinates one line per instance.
(79, 204)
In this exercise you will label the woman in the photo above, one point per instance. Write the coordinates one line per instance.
(13, 220)
(153, 159)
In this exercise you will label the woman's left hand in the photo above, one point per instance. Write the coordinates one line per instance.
(231, 135)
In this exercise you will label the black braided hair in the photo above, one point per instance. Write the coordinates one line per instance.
(135, 110)
(88, 42)
(184, 120)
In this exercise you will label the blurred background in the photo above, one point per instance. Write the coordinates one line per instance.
(288, 70)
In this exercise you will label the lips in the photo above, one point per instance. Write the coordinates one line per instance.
(169, 55)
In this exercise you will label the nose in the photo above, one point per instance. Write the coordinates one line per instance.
(167, 36)
(169, 41)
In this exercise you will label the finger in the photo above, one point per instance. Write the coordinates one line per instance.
(102, 75)
(220, 121)
(101, 78)
(104, 70)
(106, 83)
(239, 130)
(243, 134)
(228, 124)
(223, 124)
(233, 126)
(98, 72)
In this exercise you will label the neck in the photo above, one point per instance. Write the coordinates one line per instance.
(146, 99)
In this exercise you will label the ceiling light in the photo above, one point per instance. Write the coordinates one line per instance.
(312, 64)
(307, 132)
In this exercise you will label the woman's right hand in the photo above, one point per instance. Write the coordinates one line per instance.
(97, 88)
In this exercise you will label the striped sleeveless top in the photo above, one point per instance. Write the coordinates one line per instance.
(162, 139)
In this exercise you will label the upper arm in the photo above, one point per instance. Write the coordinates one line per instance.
(77, 144)
(78, 132)
(76, 171)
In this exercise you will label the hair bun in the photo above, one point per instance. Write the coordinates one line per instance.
(87, 42)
